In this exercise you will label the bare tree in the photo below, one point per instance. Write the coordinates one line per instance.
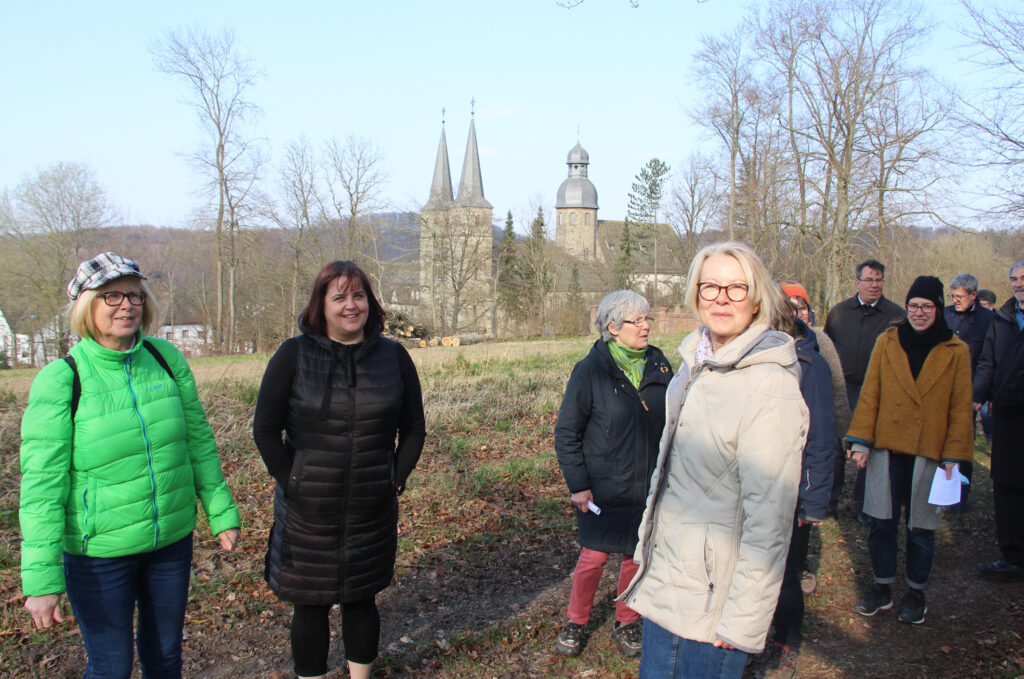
(858, 120)
(723, 70)
(694, 204)
(219, 80)
(46, 226)
(995, 117)
(355, 178)
(300, 206)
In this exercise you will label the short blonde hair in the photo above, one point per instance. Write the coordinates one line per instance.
(79, 312)
(759, 280)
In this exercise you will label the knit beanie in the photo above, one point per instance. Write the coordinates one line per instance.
(929, 288)
(796, 290)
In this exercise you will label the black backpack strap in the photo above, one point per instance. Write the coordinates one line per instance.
(76, 385)
(159, 357)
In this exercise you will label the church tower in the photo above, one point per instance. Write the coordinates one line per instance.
(456, 240)
(441, 202)
(576, 208)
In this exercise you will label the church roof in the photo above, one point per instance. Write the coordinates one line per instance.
(577, 190)
(471, 186)
(577, 155)
(441, 187)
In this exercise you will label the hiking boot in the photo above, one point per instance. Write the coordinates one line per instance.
(629, 636)
(913, 607)
(808, 583)
(780, 664)
(570, 639)
(879, 598)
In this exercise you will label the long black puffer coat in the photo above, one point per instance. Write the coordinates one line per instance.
(1000, 379)
(606, 439)
(335, 508)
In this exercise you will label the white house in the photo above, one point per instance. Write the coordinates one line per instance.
(191, 340)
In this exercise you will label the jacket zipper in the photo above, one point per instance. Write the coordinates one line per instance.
(652, 526)
(708, 571)
(342, 563)
(149, 451)
(85, 521)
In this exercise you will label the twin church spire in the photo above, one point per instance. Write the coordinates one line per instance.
(471, 185)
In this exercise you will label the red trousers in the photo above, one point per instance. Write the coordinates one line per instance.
(584, 584)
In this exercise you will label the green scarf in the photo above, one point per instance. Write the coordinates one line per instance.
(631, 361)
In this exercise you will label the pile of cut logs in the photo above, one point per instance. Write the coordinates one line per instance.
(456, 340)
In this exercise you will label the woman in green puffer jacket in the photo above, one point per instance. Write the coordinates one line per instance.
(115, 450)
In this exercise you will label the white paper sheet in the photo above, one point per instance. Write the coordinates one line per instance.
(945, 491)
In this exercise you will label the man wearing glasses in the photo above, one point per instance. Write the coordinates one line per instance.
(969, 321)
(853, 325)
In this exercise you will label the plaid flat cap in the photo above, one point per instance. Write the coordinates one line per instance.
(100, 270)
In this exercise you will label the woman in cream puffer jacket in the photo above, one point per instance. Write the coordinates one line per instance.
(719, 516)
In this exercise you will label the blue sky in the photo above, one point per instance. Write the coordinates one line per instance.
(79, 85)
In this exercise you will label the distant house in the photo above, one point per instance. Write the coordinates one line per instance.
(191, 340)
(7, 342)
(35, 350)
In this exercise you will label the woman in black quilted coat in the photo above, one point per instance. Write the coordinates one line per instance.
(348, 404)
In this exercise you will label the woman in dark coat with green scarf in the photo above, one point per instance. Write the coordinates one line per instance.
(606, 440)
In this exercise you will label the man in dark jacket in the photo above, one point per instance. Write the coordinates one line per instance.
(853, 325)
(1000, 382)
(969, 321)
(966, 317)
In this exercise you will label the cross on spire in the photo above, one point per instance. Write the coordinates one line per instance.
(472, 106)
(442, 115)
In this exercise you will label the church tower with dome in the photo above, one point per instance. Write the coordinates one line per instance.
(576, 208)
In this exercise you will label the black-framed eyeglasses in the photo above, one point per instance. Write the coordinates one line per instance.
(115, 298)
(921, 308)
(736, 292)
(640, 321)
(871, 280)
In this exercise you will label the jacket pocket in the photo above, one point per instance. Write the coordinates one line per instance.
(293, 488)
(391, 471)
(90, 511)
(709, 567)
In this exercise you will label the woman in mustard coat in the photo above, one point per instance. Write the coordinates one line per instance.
(914, 414)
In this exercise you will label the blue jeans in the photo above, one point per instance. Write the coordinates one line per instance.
(882, 538)
(663, 655)
(103, 595)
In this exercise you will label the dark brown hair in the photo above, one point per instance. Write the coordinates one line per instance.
(312, 317)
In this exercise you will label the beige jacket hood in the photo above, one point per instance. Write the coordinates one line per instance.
(719, 515)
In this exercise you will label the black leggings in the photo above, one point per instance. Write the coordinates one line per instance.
(311, 635)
